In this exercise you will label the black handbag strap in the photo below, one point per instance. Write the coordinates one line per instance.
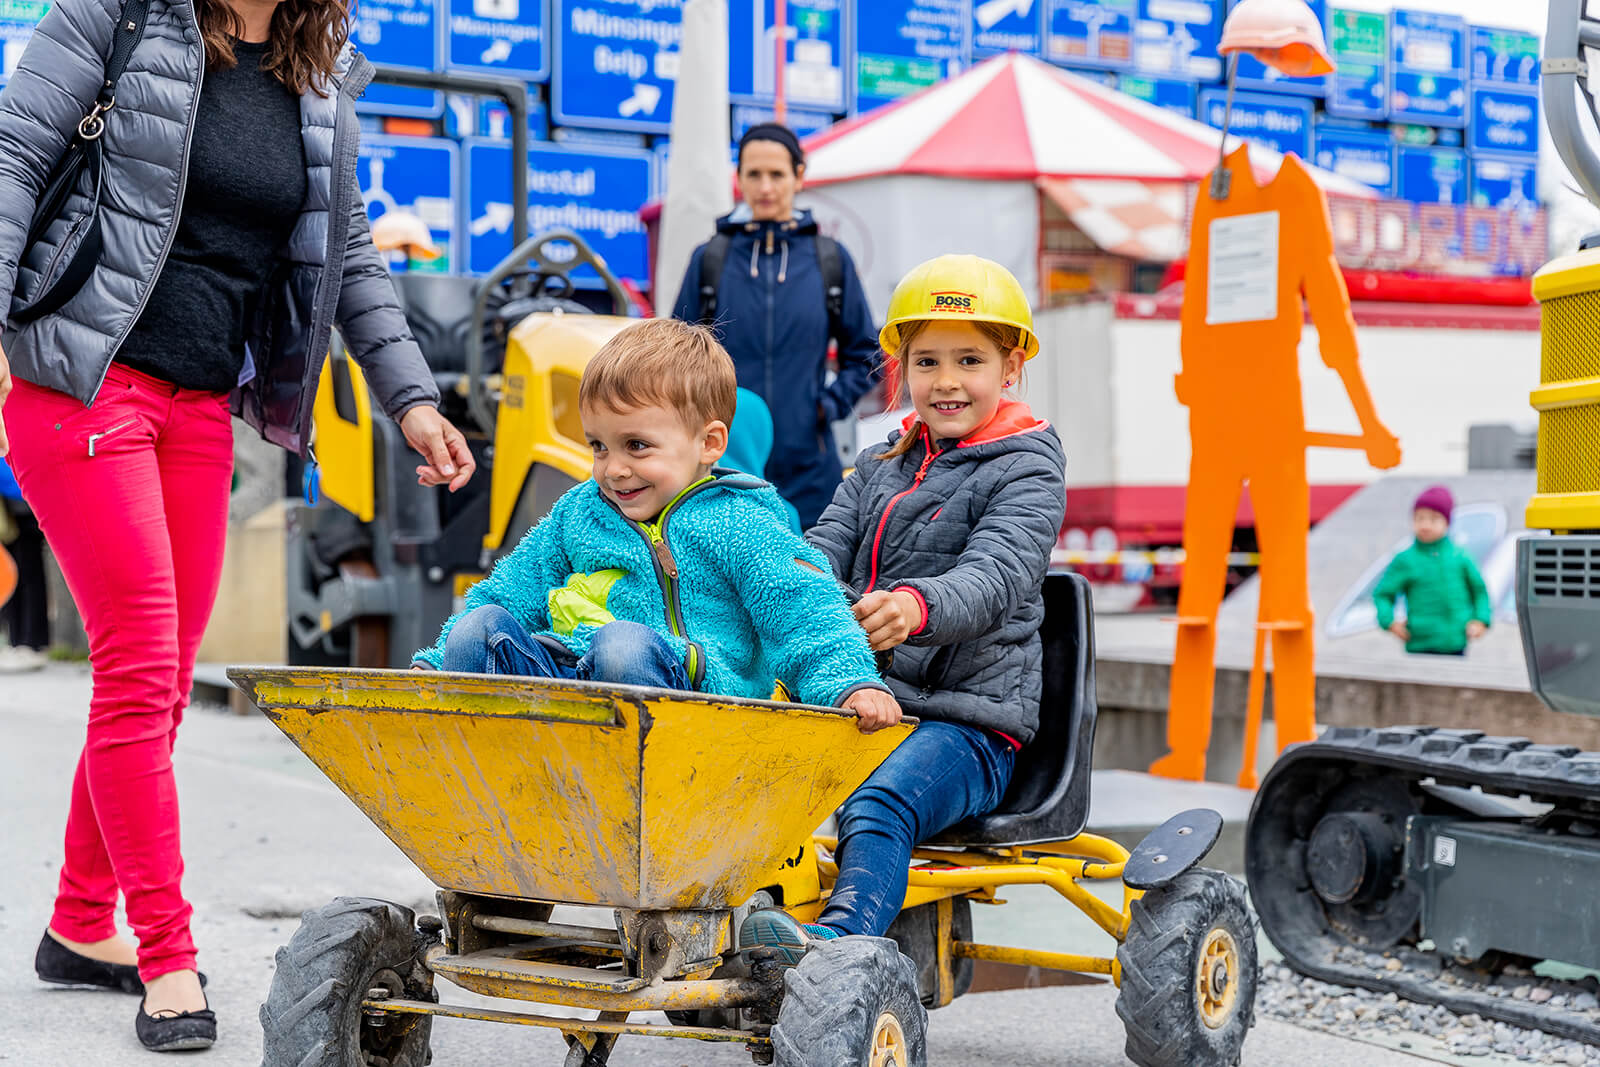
(83, 153)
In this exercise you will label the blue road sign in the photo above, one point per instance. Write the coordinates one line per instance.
(814, 57)
(1504, 121)
(1431, 175)
(594, 190)
(1178, 39)
(1505, 183)
(468, 116)
(1169, 94)
(1428, 68)
(405, 34)
(1090, 33)
(1358, 42)
(1282, 123)
(803, 123)
(1504, 57)
(500, 37)
(419, 175)
(1253, 74)
(611, 138)
(1365, 156)
(17, 20)
(902, 46)
(1005, 26)
(616, 62)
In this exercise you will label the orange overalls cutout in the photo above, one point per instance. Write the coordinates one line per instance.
(1251, 257)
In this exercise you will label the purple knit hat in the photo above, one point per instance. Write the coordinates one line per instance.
(1436, 498)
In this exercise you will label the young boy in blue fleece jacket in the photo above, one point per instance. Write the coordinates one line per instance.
(661, 571)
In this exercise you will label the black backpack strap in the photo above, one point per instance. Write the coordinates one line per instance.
(830, 261)
(712, 257)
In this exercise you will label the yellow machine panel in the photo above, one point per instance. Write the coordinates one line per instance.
(569, 791)
(1568, 397)
(538, 417)
(342, 418)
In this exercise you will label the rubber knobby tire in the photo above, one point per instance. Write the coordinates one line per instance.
(834, 997)
(312, 1016)
(1159, 1002)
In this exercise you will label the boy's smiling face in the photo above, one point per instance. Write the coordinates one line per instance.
(646, 456)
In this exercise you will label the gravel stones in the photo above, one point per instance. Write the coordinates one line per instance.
(1367, 1015)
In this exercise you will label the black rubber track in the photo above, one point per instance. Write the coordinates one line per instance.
(833, 998)
(1158, 1002)
(1288, 806)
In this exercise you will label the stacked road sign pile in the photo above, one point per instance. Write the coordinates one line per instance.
(1424, 107)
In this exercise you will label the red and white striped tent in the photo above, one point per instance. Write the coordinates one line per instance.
(966, 165)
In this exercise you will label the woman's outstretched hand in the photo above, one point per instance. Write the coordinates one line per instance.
(441, 444)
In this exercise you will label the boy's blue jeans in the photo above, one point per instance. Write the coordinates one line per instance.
(941, 774)
(489, 640)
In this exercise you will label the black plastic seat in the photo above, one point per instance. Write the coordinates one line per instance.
(438, 309)
(1049, 795)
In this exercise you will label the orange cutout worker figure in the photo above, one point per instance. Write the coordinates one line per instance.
(1254, 250)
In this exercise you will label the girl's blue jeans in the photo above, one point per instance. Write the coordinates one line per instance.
(489, 640)
(943, 773)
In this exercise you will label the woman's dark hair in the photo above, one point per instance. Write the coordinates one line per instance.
(773, 131)
(303, 41)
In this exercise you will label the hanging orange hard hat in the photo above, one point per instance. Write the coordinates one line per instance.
(1284, 34)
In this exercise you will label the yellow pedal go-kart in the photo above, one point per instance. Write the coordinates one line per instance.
(681, 812)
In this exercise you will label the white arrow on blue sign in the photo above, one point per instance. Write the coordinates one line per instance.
(1178, 39)
(1006, 26)
(814, 52)
(616, 63)
(1365, 156)
(1504, 57)
(594, 190)
(1090, 33)
(416, 174)
(500, 37)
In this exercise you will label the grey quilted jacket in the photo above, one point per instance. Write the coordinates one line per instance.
(328, 273)
(968, 525)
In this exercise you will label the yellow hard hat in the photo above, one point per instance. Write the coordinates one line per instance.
(959, 288)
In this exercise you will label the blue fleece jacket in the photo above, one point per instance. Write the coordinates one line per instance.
(772, 317)
(757, 603)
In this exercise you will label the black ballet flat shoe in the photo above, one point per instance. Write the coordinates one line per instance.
(176, 1032)
(55, 962)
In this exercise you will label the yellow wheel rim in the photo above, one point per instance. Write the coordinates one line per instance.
(888, 1043)
(1217, 978)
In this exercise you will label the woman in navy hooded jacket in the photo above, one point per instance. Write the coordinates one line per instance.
(771, 313)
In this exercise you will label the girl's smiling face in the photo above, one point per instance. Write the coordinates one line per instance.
(957, 377)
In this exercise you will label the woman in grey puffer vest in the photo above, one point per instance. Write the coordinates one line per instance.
(947, 529)
(235, 238)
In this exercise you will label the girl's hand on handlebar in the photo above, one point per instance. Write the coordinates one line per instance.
(874, 708)
(888, 617)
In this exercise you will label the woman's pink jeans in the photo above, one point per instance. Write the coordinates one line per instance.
(132, 495)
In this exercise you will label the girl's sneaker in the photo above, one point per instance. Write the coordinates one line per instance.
(776, 928)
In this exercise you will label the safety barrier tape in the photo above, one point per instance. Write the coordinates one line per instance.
(1169, 557)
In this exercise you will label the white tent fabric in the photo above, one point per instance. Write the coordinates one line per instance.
(699, 176)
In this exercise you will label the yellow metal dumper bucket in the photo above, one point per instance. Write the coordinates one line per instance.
(574, 791)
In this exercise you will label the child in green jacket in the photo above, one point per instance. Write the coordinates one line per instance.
(1447, 603)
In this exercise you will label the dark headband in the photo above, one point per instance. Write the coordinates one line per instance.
(773, 131)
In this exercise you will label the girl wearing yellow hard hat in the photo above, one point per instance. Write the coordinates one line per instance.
(947, 527)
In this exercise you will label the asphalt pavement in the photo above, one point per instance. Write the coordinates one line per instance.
(266, 837)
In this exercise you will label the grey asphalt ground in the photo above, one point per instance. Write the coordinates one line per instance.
(266, 837)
